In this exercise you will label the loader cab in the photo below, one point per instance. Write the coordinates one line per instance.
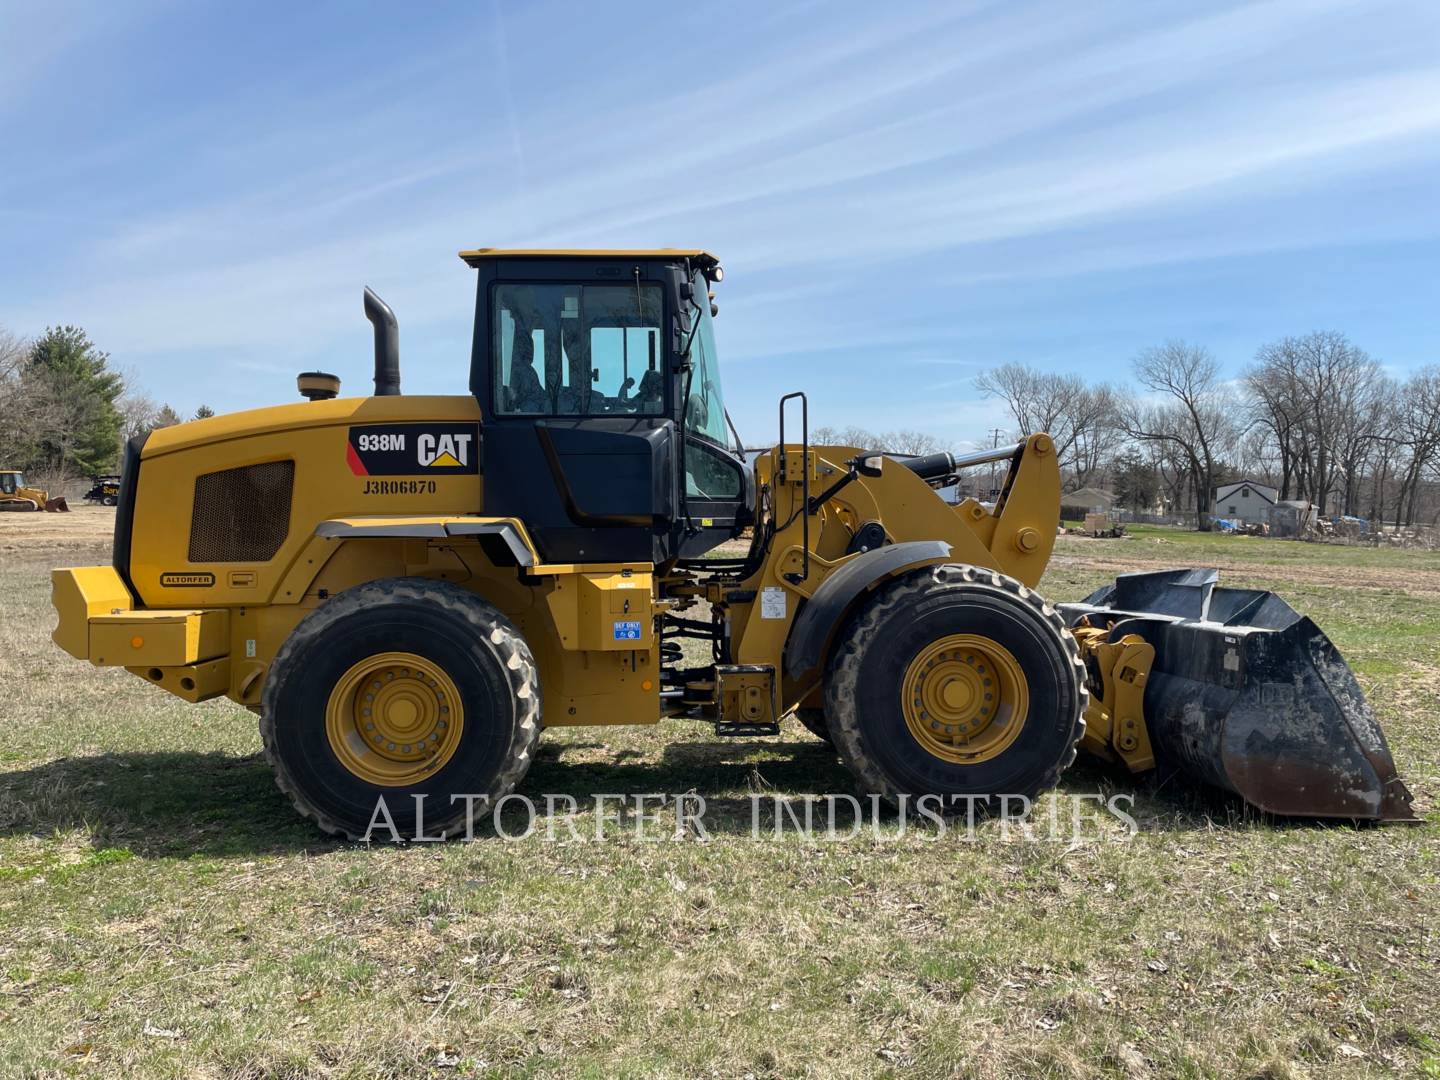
(604, 422)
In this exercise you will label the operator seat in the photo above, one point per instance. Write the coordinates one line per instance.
(526, 393)
(652, 387)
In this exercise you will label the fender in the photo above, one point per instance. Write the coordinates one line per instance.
(822, 614)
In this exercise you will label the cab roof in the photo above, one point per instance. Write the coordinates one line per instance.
(477, 255)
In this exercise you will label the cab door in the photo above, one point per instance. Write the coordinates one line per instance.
(579, 440)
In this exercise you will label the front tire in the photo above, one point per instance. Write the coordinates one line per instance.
(958, 682)
(400, 688)
(813, 721)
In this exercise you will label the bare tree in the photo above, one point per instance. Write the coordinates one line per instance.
(1274, 406)
(1418, 432)
(1191, 414)
(847, 436)
(906, 441)
(1080, 418)
(1322, 399)
(30, 408)
(15, 417)
(137, 414)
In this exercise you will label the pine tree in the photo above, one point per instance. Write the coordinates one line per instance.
(165, 417)
(70, 379)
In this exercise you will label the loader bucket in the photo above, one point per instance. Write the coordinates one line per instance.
(57, 505)
(1248, 695)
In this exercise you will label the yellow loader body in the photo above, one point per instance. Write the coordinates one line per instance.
(406, 588)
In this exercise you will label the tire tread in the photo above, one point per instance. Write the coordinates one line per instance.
(515, 656)
(842, 674)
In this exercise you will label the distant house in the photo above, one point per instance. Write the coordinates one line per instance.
(1075, 505)
(1245, 500)
(1292, 517)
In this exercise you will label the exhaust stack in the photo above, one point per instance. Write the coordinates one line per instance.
(387, 344)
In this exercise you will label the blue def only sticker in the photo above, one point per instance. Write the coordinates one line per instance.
(627, 630)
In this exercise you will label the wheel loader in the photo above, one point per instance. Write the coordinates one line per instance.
(408, 588)
(16, 494)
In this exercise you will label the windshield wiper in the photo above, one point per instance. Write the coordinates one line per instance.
(739, 444)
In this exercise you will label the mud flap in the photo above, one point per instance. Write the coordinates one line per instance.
(1248, 695)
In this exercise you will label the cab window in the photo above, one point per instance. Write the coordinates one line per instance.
(704, 405)
(577, 350)
(711, 474)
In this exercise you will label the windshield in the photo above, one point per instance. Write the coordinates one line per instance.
(705, 408)
(10, 481)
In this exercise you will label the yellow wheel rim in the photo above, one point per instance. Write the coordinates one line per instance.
(965, 698)
(394, 718)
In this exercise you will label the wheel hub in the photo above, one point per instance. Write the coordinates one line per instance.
(394, 718)
(965, 698)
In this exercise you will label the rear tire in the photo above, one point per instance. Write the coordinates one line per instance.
(397, 688)
(958, 682)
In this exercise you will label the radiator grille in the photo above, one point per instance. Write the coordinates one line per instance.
(241, 515)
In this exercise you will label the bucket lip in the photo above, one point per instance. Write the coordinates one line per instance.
(1191, 595)
(1073, 613)
(1396, 804)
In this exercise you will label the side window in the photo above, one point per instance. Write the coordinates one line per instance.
(623, 328)
(576, 350)
(704, 407)
(709, 474)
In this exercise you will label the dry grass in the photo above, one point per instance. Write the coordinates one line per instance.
(163, 912)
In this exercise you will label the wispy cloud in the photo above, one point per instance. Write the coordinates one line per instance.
(871, 176)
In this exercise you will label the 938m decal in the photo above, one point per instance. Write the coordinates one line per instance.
(414, 449)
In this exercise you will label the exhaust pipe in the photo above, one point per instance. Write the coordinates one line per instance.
(387, 344)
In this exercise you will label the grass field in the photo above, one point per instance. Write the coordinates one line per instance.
(163, 911)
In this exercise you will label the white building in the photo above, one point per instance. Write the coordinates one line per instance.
(1245, 500)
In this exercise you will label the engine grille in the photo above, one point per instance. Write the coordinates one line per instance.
(241, 515)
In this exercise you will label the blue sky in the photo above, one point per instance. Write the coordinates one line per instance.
(902, 195)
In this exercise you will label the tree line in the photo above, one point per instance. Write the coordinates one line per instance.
(1316, 416)
(65, 410)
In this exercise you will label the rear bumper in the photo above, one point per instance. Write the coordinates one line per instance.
(183, 650)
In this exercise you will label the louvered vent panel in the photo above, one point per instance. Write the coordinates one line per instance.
(241, 515)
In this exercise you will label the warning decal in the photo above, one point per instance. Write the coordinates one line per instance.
(413, 449)
(772, 602)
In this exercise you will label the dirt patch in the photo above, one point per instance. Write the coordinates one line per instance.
(83, 527)
(1417, 582)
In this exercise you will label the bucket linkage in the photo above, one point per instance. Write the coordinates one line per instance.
(1239, 690)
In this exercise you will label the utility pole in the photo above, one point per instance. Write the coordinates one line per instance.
(995, 434)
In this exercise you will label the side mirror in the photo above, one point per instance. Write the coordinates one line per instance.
(870, 464)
